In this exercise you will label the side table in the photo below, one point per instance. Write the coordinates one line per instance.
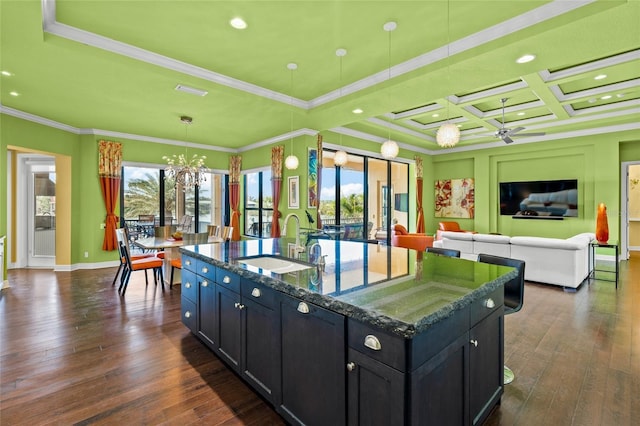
(592, 261)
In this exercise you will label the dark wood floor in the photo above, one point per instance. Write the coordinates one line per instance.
(74, 352)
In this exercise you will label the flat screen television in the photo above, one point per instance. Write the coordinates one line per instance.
(539, 199)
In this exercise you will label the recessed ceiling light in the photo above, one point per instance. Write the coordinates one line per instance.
(435, 115)
(605, 97)
(521, 113)
(6, 73)
(592, 101)
(14, 93)
(459, 126)
(525, 58)
(620, 95)
(600, 77)
(190, 90)
(238, 23)
(357, 111)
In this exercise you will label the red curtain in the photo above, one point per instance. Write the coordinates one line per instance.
(277, 154)
(419, 184)
(319, 181)
(109, 165)
(234, 194)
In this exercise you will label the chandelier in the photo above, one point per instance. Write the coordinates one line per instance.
(186, 173)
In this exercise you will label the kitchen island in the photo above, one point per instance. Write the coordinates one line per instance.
(352, 332)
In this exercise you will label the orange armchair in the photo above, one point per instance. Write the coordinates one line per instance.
(400, 237)
(448, 226)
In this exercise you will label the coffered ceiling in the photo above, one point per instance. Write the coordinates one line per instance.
(112, 67)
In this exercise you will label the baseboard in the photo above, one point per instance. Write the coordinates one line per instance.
(5, 284)
(79, 266)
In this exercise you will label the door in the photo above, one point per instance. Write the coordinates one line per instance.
(630, 200)
(41, 208)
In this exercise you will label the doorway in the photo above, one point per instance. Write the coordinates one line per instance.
(39, 202)
(630, 208)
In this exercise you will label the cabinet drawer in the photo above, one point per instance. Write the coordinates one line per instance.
(189, 287)
(486, 305)
(189, 263)
(207, 271)
(377, 344)
(228, 279)
(188, 309)
(258, 293)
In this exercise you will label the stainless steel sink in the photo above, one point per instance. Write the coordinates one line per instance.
(274, 264)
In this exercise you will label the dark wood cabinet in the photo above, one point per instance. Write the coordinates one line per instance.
(318, 367)
(313, 359)
(486, 363)
(261, 340)
(207, 317)
(375, 392)
(229, 326)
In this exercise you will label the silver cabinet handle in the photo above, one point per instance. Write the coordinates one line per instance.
(489, 303)
(372, 342)
(205, 284)
(226, 279)
(187, 314)
(187, 284)
(303, 308)
(474, 343)
(256, 292)
(187, 262)
(238, 305)
(351, 366)
(205, 269)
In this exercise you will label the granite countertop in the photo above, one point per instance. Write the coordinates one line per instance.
(399, 290)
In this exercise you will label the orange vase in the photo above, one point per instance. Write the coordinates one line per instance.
(602, 227)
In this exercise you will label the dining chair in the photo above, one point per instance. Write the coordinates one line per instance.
(213, 230)
(513, 292)
(187, 239)
(185, 223)
(122, 237)
(140, 264)
(443, 251)
(227, 231)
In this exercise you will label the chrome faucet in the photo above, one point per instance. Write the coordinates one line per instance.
(319, 260)
(298, 248)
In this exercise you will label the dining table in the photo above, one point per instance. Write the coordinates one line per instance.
(170, 247)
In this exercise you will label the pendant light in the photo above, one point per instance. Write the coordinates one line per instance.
(291, 162)
(448, 134)
(184, 171)
(389, 149)
(340, 158)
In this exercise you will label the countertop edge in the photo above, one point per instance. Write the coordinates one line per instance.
(350, 311)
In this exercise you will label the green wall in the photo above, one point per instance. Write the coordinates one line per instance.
(593, 160)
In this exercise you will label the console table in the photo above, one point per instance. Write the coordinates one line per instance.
(592, 261)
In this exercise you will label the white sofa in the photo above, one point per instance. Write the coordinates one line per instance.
(563, 262)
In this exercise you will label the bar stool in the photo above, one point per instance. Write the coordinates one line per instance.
(513, 293)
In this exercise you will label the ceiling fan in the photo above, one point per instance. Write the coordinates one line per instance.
(505, 134)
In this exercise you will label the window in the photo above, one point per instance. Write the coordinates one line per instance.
(258, 204)
(144, 192)
(357, 199)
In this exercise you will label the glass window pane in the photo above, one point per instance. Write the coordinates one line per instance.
(141, 198)
(328, 190)
(352, 198)
(211, 201)
(251, 222)
(267, 193)
(378, 197)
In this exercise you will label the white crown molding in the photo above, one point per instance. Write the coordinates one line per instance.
(470, 98)
(279, 138)
(548, 76)
(596, 91)
(435, 124)
(404, 130)
(518, 23)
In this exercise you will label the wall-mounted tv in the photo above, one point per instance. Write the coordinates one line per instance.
(401, 202)
(539, 199)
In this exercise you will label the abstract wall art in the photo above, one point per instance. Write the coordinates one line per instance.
(455, 198)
